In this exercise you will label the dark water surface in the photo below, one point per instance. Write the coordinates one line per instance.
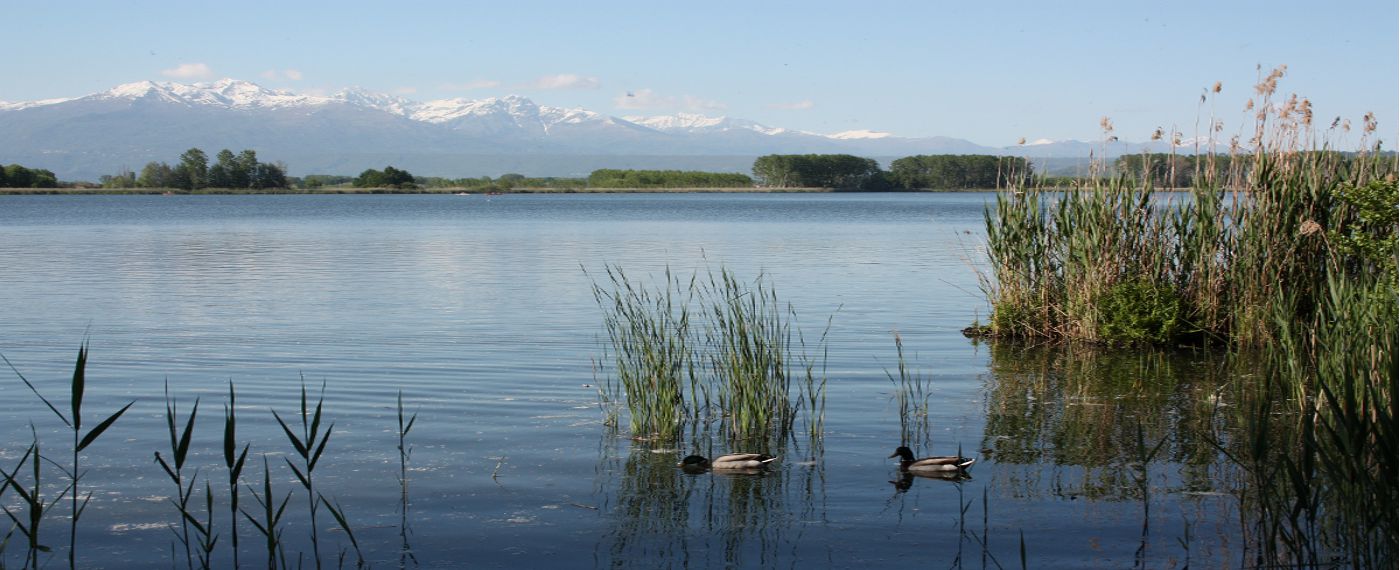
(479, 310)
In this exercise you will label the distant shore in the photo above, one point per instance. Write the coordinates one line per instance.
(451, 191)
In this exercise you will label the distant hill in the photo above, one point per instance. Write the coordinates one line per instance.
(344, 133)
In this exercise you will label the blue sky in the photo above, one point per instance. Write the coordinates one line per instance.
(990, 73)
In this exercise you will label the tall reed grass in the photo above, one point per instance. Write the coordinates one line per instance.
(1118, 262)
(1289, 248)
(689, 351)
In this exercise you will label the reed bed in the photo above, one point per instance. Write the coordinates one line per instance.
(196, 541)
(1117, 262)
(689, 351)
(1286, 254)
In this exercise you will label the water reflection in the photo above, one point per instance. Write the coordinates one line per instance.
(905, 479)
(659, 515)
(1091, 416)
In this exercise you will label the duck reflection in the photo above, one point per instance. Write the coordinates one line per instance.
(702, 513)
(905, 480)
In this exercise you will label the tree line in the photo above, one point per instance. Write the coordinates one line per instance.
(615, 178)
(193, 172)
(922, 172)
(16, 176)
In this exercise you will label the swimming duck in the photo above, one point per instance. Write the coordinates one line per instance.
(730, 461)
(930, 464)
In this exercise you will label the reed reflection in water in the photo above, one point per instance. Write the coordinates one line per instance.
(659, 516)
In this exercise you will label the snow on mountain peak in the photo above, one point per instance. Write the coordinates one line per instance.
(859, 134)
(222, 93)
(693, 122)
(375, 100)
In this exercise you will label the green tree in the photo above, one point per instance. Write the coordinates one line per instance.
(156, 175)
(123, 179)
(952, 172)
(268, 176)
(841, 171)
(18, 176)
(193, 171)
(244, 169)
(390, 177)
(221, 174)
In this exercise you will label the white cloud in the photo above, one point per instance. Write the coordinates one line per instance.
(472, 85)
(289, 74)
(698, 104)
(802, 105)
(565, 81)
(188, 71)
(649, 99)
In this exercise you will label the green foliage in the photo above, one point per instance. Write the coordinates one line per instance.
(1365, 232)
(1231, 250)
(123, 179)
(613, 178)
(841, 171)
(735, 365)
(193, 171)
(948, 172)
(232, 171)
(16, 176)
(1139, 312)
(390, 177)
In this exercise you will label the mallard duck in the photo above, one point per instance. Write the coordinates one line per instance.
(730, 461)
(930, 464)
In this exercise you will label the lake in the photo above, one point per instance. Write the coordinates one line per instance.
(480, 310)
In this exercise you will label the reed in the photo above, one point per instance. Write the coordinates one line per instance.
(1322, 450)
(1117, 262)
(405, 453)
(912, 391)
(309, 445)
(749, 339)
(81, 441)
(652, 360)
(179, 451)
(33, 501)
(690, 351)
(270, 523)
(234, 461)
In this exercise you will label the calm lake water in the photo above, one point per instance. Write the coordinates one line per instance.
(480, 311)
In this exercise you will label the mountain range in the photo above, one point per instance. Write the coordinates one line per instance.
(129, 125)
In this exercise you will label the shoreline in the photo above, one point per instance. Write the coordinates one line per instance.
(447, 191)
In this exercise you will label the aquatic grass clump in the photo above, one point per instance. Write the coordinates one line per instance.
(749, 337)
(1289, 250)
(692, 351)
(1248, 236)
(912, 391)
(652, 361)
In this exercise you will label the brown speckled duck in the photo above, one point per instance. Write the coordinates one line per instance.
(730, 461)
(953, 463)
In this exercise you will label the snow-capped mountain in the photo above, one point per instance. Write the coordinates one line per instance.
(693, 123)
(346, 132)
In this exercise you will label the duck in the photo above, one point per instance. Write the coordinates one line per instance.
(730, 461)
(908, 464)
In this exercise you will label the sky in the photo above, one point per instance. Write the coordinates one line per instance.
(988, 72)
